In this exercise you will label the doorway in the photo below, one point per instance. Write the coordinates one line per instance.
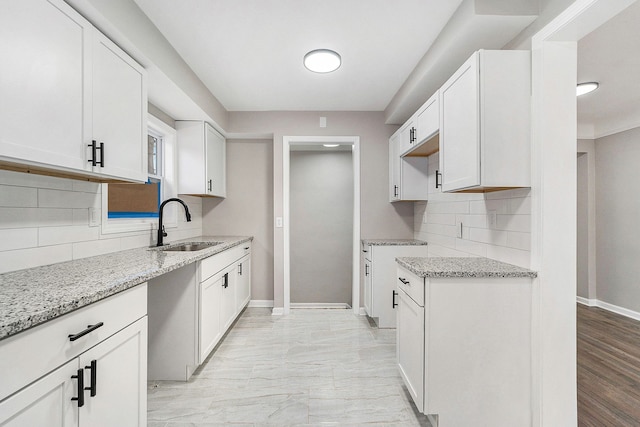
(347, 144)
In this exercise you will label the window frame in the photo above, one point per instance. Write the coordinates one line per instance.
(168, 187)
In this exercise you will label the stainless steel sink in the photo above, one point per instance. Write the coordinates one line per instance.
(189, 246)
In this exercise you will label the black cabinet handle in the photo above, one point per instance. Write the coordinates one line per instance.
(92, 160)
(225, 280)
(240, 269)
(438, 183)
(80, 378)
(90, 328)
(366, 269)
(412, 135)
(395, 191)
(210, 184)
(403, 280)
(393, 299)
(94, 376)
(247, 248)
(101, 148)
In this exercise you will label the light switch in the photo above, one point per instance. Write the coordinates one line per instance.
(323, 122)
(94, 217)
(492, 219)
(459, 229)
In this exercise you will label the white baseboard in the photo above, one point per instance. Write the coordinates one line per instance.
(319, 305)
(264, 303)
(277, 311)
(362, 312)
(587, 302)
(610, 307)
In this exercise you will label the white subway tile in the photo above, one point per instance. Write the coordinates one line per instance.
(18, 197)
(476, 221)
(461, 207)
(470, 247)
(67, 199)
(438, 239)
(34, 181)
(501, 206)
(509, 194)
(446, 219)
(58, 235)
(138, 241)
(443, 230)
(521, 223)
(494, 237)
(95, 248)
(442, 251)
(87, 187)
(18, 238)
(33, 257)
(520, 206)
(509, 255)
(34, 217)
(81, 216)
(519, 240)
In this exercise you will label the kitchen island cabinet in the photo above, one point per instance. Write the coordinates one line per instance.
(464, 339)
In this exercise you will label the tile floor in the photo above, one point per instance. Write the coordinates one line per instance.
(311, 368)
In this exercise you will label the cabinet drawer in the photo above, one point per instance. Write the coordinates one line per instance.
(412, 285)
(215, 263)
(43, 348)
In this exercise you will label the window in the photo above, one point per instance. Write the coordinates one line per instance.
(134, 207)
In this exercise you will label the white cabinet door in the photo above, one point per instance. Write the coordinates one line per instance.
(460, 128)
(119, 112)
(216, 159)
(394, 167)
(243, 290)
(410, 342)
(116, 380)
(210, 304)
(46, 402)
(428, 119)
(407, 136)
(368, 291)
(228, 300)
(44, 55)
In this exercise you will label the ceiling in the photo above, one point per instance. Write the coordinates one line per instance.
(610, 55)
(249, 52)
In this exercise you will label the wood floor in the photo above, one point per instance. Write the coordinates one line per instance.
(608, 369)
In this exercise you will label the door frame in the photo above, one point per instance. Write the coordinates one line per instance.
(553, 210)
(287, 142)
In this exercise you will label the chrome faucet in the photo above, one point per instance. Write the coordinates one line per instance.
(161, 232)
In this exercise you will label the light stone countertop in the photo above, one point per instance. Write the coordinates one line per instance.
(462, 267)
(393, 242)
(33, 296)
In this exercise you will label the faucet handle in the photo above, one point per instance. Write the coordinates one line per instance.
(164, 233)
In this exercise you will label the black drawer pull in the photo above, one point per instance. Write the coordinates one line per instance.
(94, 376)
(240, 269)
(403, 280)
(394, 304)
(438, 183)
(80, 378)
(225, 280)
(101, 148)
(247, 248)
(90, 328)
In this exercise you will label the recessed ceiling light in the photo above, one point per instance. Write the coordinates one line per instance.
(584, 88)
(322, 61)
(330, 145)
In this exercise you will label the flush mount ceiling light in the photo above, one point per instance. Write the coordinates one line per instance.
(322, 61)
(584, 88)
(330, 145)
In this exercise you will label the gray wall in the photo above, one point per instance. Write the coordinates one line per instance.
(617, 219)
(321, 206)
(583, 227)
(248, 208)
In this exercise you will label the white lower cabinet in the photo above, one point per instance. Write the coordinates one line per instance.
(464, 348)
(98, 374)
(380, 290)
(191, 308)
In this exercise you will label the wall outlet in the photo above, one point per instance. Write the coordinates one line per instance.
(279, 222)
(459, 229)
(492, 219)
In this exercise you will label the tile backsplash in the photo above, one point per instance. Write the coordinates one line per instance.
(494, 225)
(44, 220)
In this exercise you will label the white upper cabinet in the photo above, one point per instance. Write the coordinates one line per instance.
(64, 85)
(485, 123)
(201, 160)
(119, 112)
(407, 137)
(428, 119)
(408, 176)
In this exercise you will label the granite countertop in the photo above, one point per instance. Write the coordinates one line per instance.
(462, 267)
(35, 295)
(393, 242)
